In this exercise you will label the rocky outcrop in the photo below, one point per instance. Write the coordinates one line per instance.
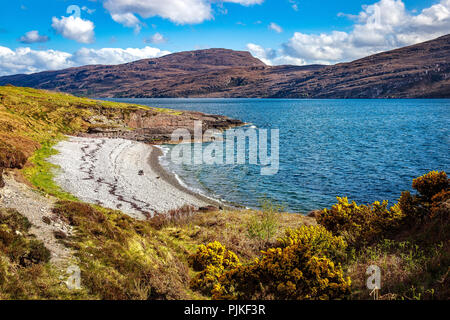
(419, 71)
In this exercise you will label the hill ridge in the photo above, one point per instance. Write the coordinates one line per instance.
(418, 71)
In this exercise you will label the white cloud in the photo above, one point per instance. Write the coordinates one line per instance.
(284, 59)
(86, 56)
(263, 54)
(382, 26)
(128, 20)
(272, 57)
(26, 60)
(157, 38)
(294, 4)
(74, 28)
(33, 36)
(273, 26)
(177, 11)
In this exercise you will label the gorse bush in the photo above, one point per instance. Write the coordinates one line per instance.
(302, 268)
(215, 254)
(365, 224)
(320, 241)
(211, 260)
(431, 184)
(433, 189)
(360, 224)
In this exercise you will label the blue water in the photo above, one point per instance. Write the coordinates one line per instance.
(365, 149)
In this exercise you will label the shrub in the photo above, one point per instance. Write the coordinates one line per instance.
(360, 224)
(24, 269)
(433, 192)
(175, 217)
(439, 203)
(11, 157)
(431, 183)
(14, 241)
(264, 225)
(301, 269)
(77, 213)
(212, 260)
(215, 254)
(320, 241)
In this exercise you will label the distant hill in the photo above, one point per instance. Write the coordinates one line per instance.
(418, 71)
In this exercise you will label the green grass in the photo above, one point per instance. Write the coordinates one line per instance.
(41, 172)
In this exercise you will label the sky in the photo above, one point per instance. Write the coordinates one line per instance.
(56, 34)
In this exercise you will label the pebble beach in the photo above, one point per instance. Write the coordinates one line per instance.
(120, 174)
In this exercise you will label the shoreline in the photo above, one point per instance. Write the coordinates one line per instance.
(168, 176)
(122, 175)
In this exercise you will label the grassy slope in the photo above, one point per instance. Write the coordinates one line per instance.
(32, 121)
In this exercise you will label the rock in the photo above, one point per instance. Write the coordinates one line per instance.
(208, 209)
(60, 234)
(46, 220)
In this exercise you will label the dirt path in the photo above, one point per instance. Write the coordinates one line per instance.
(35, 207)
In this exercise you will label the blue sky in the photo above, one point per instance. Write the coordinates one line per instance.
(41, 35)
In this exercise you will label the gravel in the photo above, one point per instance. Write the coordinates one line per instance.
(117, 174)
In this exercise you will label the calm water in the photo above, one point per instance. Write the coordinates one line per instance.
(365, 149)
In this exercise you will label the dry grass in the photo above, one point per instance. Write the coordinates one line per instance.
(231, 229)
(122, 258)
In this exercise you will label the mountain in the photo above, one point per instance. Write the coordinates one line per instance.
(418, 71)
